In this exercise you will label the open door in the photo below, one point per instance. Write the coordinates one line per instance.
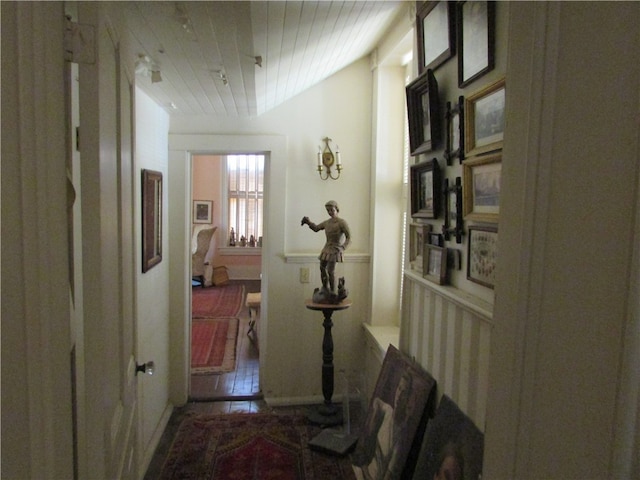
(108, 400)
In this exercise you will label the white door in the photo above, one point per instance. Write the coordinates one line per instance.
(108, 257)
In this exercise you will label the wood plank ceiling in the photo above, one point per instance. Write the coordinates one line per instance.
(243, 58)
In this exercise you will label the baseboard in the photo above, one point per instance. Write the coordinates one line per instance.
(292, 401)
(155, 438)
(311, 400)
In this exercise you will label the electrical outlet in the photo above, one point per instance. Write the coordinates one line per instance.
(304, 275)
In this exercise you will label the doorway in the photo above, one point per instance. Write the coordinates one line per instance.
(227, 193)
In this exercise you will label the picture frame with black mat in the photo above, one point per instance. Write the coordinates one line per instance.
(402, 402)
(451, 441)
(423, 110)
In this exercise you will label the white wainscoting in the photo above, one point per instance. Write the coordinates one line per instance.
(448, 332)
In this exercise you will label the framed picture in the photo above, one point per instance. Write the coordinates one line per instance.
(418, 235)
(481, 196)
(202, 211)
(402, 401)
(435, 264)
(435, 239)
(424, 113)
(151, 219)
(484, 119)
(436, 31)
(482, 255)
(476, 40)
(454, 145)
(425, 189)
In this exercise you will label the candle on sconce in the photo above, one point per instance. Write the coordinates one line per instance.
(319, 157)
(338, 155)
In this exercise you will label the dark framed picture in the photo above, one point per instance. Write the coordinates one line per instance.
(202, 211)
(476, 40)
(435, 264)
(481, 192)
(484, 119)
(482, 255)
(436, 29)
(423, 109)
(151, 219)
(454, 145)
(418, 235)
(453, 216)
(425, 189)
(435, 239)
(402, 401)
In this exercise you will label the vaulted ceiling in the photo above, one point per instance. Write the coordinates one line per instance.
(243, 58)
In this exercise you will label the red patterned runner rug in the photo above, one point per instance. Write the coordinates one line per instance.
(251, 446)
(213, 345)
(216, 302)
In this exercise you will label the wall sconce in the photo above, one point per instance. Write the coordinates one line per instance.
(326, 160)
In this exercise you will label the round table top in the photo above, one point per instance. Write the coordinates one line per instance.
(343, 305)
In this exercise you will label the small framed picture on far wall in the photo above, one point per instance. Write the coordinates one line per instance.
(202, 211)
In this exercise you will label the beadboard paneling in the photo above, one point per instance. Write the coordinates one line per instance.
(449, 335)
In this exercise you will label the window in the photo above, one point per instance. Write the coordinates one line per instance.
(245, 194)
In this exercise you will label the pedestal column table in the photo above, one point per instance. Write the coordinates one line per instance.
(327, 414)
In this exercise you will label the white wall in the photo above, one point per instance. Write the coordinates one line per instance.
(564, 306)
(340, 108)
(152, 127)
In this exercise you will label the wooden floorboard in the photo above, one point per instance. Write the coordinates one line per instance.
(244, 382)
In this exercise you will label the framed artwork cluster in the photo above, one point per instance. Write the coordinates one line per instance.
(472, 137)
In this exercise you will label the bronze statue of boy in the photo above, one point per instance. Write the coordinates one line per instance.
(338, 239)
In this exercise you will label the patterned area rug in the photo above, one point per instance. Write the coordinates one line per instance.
(213, 345)
(253, 446)
(216, 302)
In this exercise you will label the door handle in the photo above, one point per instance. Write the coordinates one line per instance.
(148, 367)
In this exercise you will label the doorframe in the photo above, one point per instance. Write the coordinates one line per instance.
(181, 149)
(36, 374)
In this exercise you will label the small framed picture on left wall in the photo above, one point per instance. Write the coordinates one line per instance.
(202, 211)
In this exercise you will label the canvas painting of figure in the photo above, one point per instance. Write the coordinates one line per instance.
(453, 446)
(401, 404)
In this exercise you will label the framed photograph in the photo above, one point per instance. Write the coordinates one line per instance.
(418, 235)
(476, 40)
(484, 119)
(423, 110)
(454, 145)
(482, 255)
(425, 189)
(481, 191)
(436, 29)
(435, 264)
(202, 211)
(151, 219)
(402, 401)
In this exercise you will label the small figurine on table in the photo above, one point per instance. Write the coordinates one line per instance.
(338, 239)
